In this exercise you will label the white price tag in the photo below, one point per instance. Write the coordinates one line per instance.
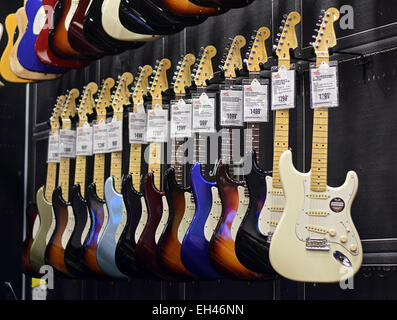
(137, 127)
(283, 89)
(67, 143)
(115, 135)
(256, 102)
(231, 108)
(100, 137)
(181, 120)
(324, 86)
(204, 114)
(157, 126)
(53, 148)
(84, 140)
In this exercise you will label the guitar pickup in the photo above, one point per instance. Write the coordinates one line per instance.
(317, 213)
(277, 192)
(276, 209)
(317, 244)
(272, 223)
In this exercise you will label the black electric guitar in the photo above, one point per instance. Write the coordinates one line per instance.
(75, 248)
(134, 200)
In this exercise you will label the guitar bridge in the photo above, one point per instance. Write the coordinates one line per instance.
(317, 244)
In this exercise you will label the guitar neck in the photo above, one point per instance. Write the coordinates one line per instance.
(116, 161)
(99, 169)
(155, 154)
(135, 165)
(63, 178)
(80, 170)
(281, 135)
(51, 180)
(178, 154)
(200, 143)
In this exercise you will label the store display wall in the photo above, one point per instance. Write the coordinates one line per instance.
(361, 129)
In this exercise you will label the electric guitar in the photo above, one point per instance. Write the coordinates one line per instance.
(233, 194)
(32, 225)
(222, 3)
(156, 202)
(16, 67)
(272, 194)
(134, 200)
(58, 37)
(316, 240)
(5, 68)
(194, 250)
(180, 199)
(106, 251)
(64, 216)
(186, 8)
(36, 22)
(42, 41)
(82, 223)
(46, 228)
(76, 35)
(95, 31)
(95, 191)
(250, 244)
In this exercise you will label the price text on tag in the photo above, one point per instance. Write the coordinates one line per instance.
(137, 123)
(67, 143)
(204, 114)
(115, 136)
(231, 108)
(256, 102)
(324, 87)
(84, 141)
(100, 138)
(53, 148)
(157, 128)
(181, 120)
(283, 89)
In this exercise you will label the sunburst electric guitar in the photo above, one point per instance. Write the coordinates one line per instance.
(315, 240)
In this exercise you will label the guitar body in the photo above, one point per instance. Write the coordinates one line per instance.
(76, 35)
(180, 215)
(63, 229)
(58, 38)
(146, 248)
(195, 245)
(36, 19)
(95, 33)
(222, 246)
(74, 252)
(252, 247)
(5, 68)
(288, 252)
(32, 222)
(187, 8)
(223, 3)
(42, 46)
(97, 215)
(16, 67)
(45, 231)
(136, 219)
(106, 251)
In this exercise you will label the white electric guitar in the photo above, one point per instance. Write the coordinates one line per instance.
(315, 239)
(112, 25)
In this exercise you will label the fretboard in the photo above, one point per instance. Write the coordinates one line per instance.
(99, 168)
(64, 168)
(177, 154)
(155, 154)
(51, 180)
(80, 173)
(116, 161)
(200, 143)
(135, 165)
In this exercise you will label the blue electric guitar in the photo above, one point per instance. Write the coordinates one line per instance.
(37, 17)
(194, 250)
(116, 220)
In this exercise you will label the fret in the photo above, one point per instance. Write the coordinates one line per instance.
(281, 139)
(63, 177)
(80, 173)
(51, 180)
(135, 165)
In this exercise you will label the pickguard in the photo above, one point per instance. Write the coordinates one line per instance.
(142, 221)
(214, 215)
(36, 226)
(325, 215)
(67, 233)
(243, 203)
(190, 208)
(72, 10)
(105, 222)
(163, 221)
(87, 228)
(52, 227)
(122, 224)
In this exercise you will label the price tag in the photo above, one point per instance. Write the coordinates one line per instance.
(84, 140)
(137, 123)
(53, 148)
(256, 102)
(100, 137)
(324, 86)
(231, 108)
(204, 114)
(283, 89)
(67, 143)
(157, 126)
(115, 135)
(181, 119)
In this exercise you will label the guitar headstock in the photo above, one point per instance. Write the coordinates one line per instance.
(233, 59)
(257, 54)
(287, 40)
(160, 81)
(325, 37)
(141, 85)
(69, 109)
(87, 103)
(122, 94)
(104, 99)
(204, 69)
(183, 75)
(56, 113)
